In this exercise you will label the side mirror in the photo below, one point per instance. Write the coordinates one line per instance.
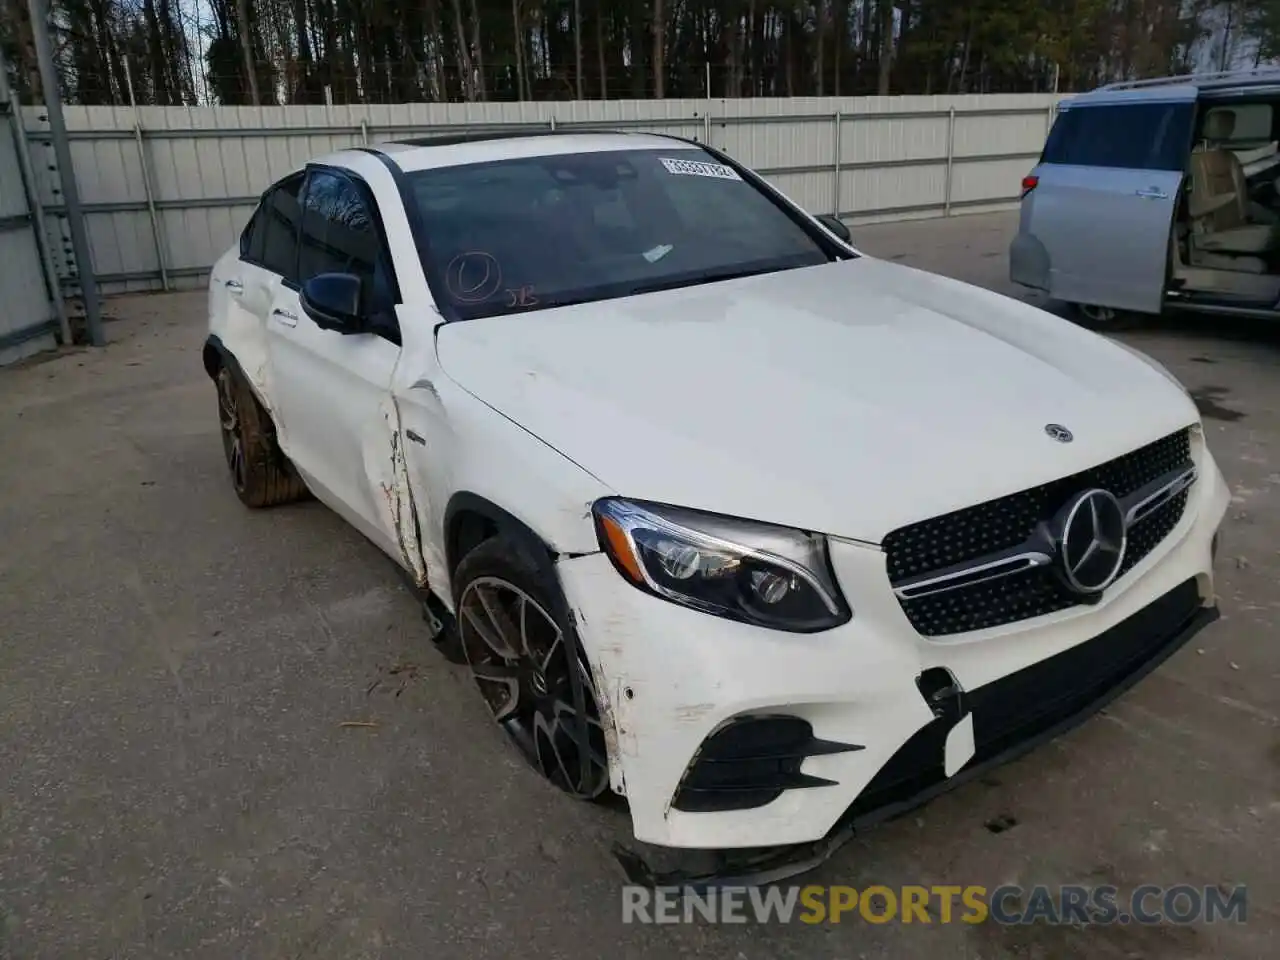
(332, 301)
(836, 226)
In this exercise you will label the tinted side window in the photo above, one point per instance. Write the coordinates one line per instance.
(339, 235)
(246, 237)
(279, 215)
(1141, 136)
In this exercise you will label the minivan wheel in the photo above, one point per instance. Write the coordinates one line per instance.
(1095, 317)
(529, 669)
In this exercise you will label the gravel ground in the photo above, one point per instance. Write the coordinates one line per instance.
(175, 671)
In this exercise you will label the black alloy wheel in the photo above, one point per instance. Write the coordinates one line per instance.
(539, 690)
(233, 443)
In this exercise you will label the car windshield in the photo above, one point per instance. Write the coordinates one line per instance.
(534, 232)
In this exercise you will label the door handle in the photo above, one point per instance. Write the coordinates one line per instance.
(235, 286)
(287, 318)
(1151, 193)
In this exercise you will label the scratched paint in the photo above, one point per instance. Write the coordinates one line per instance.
(398, 495)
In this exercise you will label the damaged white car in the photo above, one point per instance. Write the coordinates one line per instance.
(768, 536)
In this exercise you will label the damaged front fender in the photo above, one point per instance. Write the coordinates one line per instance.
(673, 677)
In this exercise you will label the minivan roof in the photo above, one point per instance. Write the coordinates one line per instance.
(1190, 85)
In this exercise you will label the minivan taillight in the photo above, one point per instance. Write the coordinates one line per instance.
(1029, 183)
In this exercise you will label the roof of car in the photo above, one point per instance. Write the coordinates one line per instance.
(446, 151)
(1187, 85)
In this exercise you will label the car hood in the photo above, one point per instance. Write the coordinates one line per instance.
(848, 399)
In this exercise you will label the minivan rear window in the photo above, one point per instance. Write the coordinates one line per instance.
(1139, 136)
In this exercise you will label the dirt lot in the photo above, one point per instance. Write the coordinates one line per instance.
(175, 779)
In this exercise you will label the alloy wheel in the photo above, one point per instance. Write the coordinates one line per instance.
(529, 678)
(232, 431)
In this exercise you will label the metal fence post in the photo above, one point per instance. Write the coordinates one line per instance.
(9, 99)
(951, 156)
(146, 179)
(66, 173)
(835, 165)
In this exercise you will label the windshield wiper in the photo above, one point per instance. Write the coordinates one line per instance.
(672, 283)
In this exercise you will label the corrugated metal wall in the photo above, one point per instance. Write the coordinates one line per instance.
(27, 317)
(184, 181)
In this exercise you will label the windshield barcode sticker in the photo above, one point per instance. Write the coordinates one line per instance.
(697, 168)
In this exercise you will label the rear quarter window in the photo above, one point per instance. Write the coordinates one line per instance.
(280, 213)
(1139, 136)
(252, 238)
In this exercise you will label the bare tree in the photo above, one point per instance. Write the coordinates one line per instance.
(577, 47)
(600, 51)
(517, 34)
(478, 49)
(886, 47)
(246, 51)
(464, 56)
(659, 42)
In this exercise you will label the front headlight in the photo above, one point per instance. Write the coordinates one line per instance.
(754, 572)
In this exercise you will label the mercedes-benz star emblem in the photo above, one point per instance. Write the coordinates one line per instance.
(1058, 432)
(1092, 541)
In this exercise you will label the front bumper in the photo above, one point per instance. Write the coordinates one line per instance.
(668, 677)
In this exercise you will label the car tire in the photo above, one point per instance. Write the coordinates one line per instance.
(261, 474)
(1102, 319)
(523, 653)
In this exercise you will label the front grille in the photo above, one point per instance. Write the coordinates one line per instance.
(1016, 709)
(1002, 524)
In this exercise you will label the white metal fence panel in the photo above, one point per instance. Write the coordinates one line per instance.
(167, 189)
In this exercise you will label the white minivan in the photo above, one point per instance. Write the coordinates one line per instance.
(1156, 195)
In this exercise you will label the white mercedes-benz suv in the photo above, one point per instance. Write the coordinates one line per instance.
(769, 536)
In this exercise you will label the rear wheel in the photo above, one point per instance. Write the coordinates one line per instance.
(260, 472)
(1098, 318)
(529, 669)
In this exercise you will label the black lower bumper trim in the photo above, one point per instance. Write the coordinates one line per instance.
(750, 761)
(1035, 701)
(771, 865)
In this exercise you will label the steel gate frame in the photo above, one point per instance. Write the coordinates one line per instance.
(55, 320)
